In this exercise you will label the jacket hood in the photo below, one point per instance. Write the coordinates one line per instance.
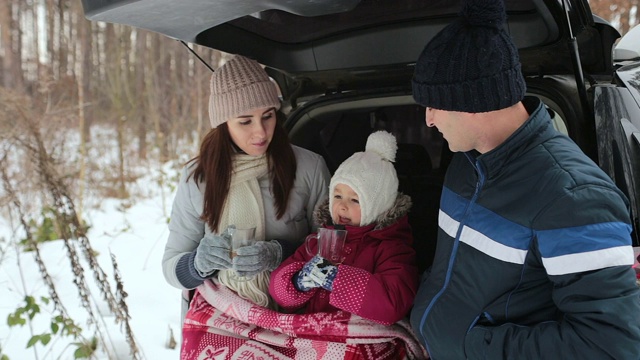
(400, 208)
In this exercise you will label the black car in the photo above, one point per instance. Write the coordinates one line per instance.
(344, 68)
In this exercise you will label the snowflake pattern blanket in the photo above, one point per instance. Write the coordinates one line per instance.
(235, 328)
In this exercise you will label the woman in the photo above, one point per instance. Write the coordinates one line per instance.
(246, 174)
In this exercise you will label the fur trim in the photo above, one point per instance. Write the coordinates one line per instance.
(400, 208)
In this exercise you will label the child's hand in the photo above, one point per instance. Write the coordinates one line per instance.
(323, 274)
(302, 280)
(318, 271)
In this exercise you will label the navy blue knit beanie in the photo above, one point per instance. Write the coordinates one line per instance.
(471, 65)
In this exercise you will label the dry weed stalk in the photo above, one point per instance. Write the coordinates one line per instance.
(72, 232)
(15, 202)
(121, 296)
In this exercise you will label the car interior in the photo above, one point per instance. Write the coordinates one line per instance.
(337, 129)
(336, 133)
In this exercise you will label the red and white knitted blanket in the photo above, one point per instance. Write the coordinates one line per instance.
(234, 328)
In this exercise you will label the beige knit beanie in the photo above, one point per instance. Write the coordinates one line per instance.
(239, 86)
(371, 175)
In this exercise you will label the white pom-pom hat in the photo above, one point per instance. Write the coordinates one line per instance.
(371, 175)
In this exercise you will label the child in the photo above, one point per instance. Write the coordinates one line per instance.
(378, 278)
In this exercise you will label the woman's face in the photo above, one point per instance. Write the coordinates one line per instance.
(252, 132)
(346, 206)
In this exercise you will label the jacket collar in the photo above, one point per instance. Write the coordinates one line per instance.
(532, 132)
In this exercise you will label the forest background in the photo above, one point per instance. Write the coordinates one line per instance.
(67, 83)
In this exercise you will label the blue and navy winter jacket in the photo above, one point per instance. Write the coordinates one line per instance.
(534, 256)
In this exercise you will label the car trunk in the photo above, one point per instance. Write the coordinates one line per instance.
(344, 45)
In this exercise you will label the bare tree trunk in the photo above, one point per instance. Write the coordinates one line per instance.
(632, 19)
(51, 26)
(166, 91)
(80, 71)
(122, 183)
(141, 42)
(12, 74)
(62, 46)
(123, 91)
(37, 65)
(6, 43)
(116, 89)
(86, 56)
(154, 91)
(200, 103)
(176, 126)
(17, 40)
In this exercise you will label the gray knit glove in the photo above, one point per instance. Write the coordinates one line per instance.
(254, 259)
(213, 254)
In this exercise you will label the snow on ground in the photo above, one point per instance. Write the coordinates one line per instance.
(135, 232)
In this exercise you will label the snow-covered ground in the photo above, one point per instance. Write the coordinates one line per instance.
(134, 231)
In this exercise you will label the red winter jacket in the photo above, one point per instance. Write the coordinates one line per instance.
(377, 280)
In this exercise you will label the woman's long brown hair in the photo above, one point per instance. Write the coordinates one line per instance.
(215, 164)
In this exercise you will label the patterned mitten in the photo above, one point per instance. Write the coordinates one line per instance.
(301, 279)
(323, 274)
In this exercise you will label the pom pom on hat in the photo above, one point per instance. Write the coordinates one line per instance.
(237, 87)
(384, 144)
(471, 65)
(371, 175)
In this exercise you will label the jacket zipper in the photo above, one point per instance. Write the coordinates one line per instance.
(479, 183)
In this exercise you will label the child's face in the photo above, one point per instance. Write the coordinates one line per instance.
(346, 206)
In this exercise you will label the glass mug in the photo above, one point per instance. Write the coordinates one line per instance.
(330, 244)
(240, 237)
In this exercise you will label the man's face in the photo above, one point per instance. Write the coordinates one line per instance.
(456, 127)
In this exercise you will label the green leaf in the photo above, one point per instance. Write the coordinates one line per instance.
(35, 309)
(54, 328)
(82, 353)
(15, 319)
(4, 357)
(45, 338)
(85, 349)
(34, 339)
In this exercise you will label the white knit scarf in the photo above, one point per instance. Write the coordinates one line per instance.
(244, 208)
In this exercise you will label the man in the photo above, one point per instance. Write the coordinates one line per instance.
(534, 250)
